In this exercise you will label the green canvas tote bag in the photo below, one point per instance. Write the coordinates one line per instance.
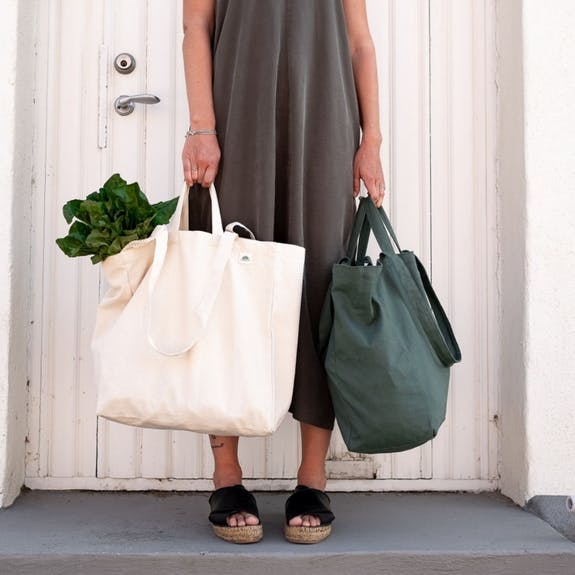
(386, 343)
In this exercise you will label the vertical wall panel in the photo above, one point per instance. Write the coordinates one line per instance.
(125, 30)
(462, 188)
(64, 425)
(159, 60)
(43, 39)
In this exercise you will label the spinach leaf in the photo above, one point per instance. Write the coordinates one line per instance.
(110, 218)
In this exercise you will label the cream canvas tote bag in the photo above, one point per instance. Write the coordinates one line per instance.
(198, 331)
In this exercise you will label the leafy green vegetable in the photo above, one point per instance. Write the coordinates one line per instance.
(109, 219)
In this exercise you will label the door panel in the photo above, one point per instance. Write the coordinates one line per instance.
(437, 89)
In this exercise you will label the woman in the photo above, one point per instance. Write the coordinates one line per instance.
(277, 93)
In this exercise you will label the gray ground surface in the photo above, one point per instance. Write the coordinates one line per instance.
(168, 532)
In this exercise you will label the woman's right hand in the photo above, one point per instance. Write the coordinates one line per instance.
(200, 159)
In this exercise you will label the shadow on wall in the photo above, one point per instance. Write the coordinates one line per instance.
(511, 198)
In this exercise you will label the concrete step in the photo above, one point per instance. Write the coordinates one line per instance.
(86, 533)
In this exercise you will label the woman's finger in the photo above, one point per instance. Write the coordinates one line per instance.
(187, 170)
(191, 170)
(373, 191)
(209, 176)
(356, 184)
(200, 171)
(380, 191)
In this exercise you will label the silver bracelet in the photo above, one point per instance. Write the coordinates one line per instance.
(191, 132)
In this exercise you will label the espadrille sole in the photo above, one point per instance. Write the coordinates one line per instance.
(231, 499)
(306, 534)
(239, 534)
(307, 500)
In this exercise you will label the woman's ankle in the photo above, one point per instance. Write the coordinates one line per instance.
(312, 476)
(226, 474)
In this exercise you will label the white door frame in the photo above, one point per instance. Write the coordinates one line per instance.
(448, 60)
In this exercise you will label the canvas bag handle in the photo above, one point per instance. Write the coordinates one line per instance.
(203, 308)
(361, 230)
(431, 315)
(175, 222)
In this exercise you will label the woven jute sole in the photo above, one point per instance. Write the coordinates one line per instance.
(240, 534)
(305, 533)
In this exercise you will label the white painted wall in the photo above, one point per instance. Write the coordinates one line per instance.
(549, 74)
(537, 190)
(16, 93)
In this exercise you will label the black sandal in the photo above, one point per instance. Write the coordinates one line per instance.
(308, 501)
(233, 499)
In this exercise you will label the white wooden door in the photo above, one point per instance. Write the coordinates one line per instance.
(437, 90)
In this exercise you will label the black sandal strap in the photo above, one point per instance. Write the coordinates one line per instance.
(231, 499)
(309, 501)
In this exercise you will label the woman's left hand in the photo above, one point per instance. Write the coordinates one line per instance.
(367, 166)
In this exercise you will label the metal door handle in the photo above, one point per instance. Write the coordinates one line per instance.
(125, 105)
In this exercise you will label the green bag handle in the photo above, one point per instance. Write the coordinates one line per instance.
(360, 231)
(433, 319)
(388, 231)
(358, 222)
(363, 240)
(445, 344)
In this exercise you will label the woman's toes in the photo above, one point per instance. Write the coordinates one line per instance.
(251, 519)
(313, 520)
(297, 520)
(241, 519)
(306, 520)
(236, 520)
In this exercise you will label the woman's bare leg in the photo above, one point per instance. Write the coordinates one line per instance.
(227, 471)
(315, 443)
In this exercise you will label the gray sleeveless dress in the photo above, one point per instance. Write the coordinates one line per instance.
(288, 127)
